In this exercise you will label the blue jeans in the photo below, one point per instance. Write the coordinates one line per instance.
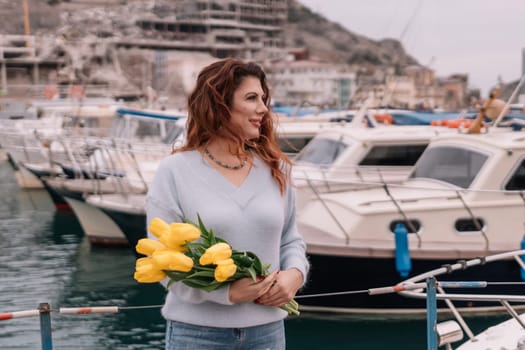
(183, 336)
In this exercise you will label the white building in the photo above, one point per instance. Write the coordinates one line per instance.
(311, 82)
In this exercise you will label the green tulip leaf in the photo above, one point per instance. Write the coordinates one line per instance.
(253, 273)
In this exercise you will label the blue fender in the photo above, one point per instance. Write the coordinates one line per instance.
(403, 261)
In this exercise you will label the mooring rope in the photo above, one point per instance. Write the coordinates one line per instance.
(371, 291)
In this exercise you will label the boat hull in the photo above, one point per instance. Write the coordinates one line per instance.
(27, 180)
(97, 226)
(57, 196)
(133, 225)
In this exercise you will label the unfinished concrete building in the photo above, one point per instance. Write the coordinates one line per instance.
(250, 29)
(21, 66)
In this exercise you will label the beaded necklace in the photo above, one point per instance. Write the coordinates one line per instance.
(219, 163)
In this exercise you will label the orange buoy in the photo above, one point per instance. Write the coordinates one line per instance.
(467, 123)
(455, 123)
(50, 91)
(77, 91)
(384, 118)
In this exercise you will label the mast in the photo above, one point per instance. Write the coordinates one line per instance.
(27, 26)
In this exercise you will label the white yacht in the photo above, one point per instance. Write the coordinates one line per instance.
(464, 198)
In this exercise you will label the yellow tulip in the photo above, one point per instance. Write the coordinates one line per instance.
(169, 259)
(225, 262)
(144, 264)
(224, 270)
(158, 227)
(152, 277)
(180, 234)
(147, 272)
(216, 252)
(147, 246)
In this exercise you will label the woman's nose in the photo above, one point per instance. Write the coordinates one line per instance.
(261, 107)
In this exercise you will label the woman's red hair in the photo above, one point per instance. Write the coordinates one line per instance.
(209, 115)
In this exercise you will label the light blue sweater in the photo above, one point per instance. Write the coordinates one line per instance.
(253, 217)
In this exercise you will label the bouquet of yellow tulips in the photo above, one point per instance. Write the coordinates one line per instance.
(207, 264)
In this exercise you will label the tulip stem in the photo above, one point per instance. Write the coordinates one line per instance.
(291, 307)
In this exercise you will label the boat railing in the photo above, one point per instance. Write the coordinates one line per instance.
(45, 310)
(97, 159)
(427, 286)
(23, 147)
(423, 286)
(350, 177)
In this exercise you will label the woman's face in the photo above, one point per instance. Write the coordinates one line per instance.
(248, 108)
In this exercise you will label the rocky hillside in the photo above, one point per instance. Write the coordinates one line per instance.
(330, 41)
(76, 19)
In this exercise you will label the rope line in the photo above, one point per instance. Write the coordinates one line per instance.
(140, 307)
(371, 291)
(330, 294)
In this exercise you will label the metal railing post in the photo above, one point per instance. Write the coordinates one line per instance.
(45, 326)
(431, 314)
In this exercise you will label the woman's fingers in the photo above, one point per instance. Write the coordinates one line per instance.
(246, 290)
(282, 289)
(267, 283)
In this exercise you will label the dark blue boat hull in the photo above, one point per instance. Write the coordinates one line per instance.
(132, 225)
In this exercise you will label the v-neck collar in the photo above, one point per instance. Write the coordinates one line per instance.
(241, 194)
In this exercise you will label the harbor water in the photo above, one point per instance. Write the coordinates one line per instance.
(44, 258)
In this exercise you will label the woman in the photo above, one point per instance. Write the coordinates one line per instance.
(232, 173)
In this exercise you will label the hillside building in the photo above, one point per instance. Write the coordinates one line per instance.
(20, 65)
(250, 29)
(310, 82)
(416, 87)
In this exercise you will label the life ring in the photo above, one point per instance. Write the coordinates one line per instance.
(77, 91)
(50, 91)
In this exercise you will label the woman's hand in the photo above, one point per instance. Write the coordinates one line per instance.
(246, 290)
(286, 284)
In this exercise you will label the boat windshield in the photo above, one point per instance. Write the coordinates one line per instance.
(291, 145)
(174, 131)
(393, 155)
(148, 130)
(321, 151)
(455, 165)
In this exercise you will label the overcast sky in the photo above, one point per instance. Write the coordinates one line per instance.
(483, 38)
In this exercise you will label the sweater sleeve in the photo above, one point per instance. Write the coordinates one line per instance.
(162, 202)
(293, 247)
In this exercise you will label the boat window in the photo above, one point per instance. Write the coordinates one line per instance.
(321, 151)
(119, 127)
(145, 128)
(458, 166)
(173, 131)
(292, 145)
(393, 155)
(469, 225)
(517, 181)
(412, 225)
